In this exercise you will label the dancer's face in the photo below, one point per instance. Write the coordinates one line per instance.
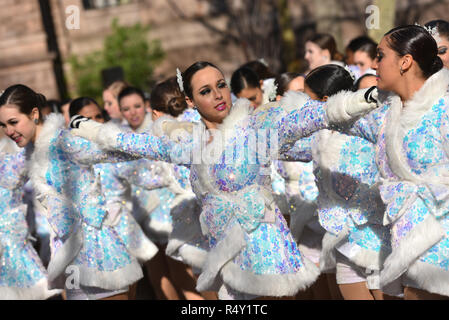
(362, 60)
(93, 112)
(387, 65)
(211, 95)
(111, 105)
(443, 51)
(18, 126)
(316, 56)
(254, 95)
(133, 110)
(297, 84)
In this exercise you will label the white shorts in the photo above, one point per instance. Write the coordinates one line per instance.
(349, 272)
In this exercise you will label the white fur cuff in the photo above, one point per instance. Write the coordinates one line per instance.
(346, 106)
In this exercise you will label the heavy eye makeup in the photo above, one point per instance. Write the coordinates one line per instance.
(206, 90)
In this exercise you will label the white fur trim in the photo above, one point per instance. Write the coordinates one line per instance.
(293, 100)
(192, 255)
(146, 124)
(326, 154)
(330, 242)
(275, 285)
(161, 228)
(158, 125)
(241, 110)
(414, 244)
(429, 277)
(217, 257)
(111, 280)
(402, 119)
(65, 254)
(37, 292)
(107, 135)
(347, 105)
(145, 252)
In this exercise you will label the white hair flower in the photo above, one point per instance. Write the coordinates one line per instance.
(179, 79)
(432, 31)
(262, 60)
(351, 73)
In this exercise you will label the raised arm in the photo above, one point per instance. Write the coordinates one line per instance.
(135, 144)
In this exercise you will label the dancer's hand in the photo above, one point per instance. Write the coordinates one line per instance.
(83, 127)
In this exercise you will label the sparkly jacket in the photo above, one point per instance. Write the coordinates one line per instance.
(412, 144)
(22, 275)
(69, 192)
(252, 250)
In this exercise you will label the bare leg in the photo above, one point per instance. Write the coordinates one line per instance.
(184, 279)
(419, 294)
(159, 274)
(355, 291)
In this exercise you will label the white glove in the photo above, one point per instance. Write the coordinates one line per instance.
(346, 106)
(85, 128)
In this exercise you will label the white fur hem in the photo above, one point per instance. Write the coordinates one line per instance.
(145, 252)
(418, 241)
(110, 280)
(429, 277)
(65, 254)
(37, 292)
(217, 257)
(275, 285)
(330, 242)
(162, 229)
(192, 255)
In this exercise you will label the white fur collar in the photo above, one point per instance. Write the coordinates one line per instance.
(146, 124)
(240, 110)
(293, 100)
(402, 119)
(157, 127)
(39, 158)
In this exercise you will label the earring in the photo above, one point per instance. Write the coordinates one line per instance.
(195, 108)
(401, 71)
(36, 121)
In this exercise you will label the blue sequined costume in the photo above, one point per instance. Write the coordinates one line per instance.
(69, 192)
(252, 250)
(22, 275)
(412, 156)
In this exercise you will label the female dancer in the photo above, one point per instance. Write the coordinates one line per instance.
(84, 245)
(411, 133)
(22, 275)
(349, 205)
(110, 95)
(116, 181)
(246, 84)
(252, 251)
(442, 38)
(186, 242)
(151, 208)
(321, 49)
